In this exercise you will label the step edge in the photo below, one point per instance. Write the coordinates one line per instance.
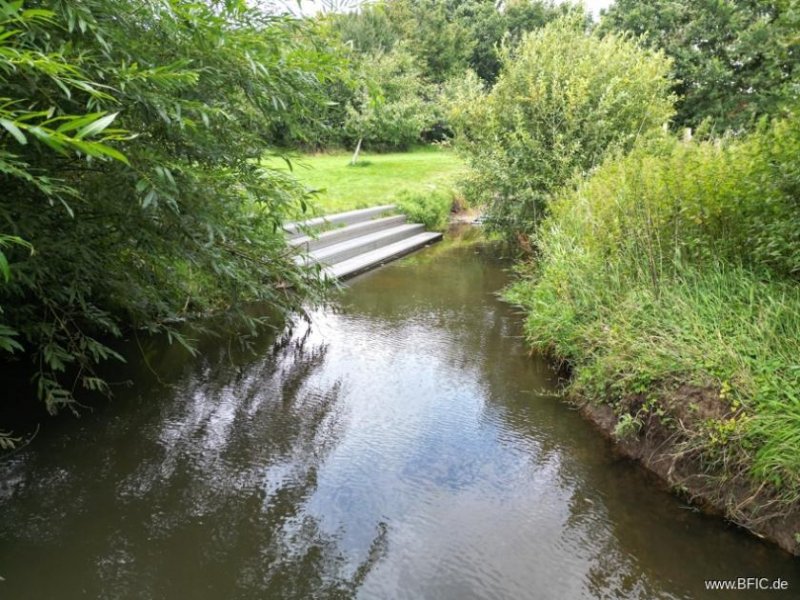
(327, 235)
(295, 226)
(404, 247)
(322, 253)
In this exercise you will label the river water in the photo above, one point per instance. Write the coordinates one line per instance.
(403, 444)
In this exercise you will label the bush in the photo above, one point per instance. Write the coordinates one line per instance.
(432, 208)
(704, 203)
(563, 100)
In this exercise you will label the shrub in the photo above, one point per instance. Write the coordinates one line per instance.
(672, 203)
(164, 214)
(563, 99)
(432, 208)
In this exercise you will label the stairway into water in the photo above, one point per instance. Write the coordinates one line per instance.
(349, 243)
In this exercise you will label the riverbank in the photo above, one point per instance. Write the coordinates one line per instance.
(673, 302)
(687, 383)
(660, 451)
(697, 380)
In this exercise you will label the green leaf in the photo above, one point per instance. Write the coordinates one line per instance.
(11, 127)
(46, 137)
(5, 270)
(111, 153)
(72, 123)
(7, 342)
(96, 126)
(39, 14)
(7, 34)
(149, 198)
(9, 345)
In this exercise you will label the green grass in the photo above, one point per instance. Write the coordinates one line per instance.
(377, 178)
(726, 332)
(668, 283)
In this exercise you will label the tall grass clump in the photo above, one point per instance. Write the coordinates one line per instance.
(668, 281)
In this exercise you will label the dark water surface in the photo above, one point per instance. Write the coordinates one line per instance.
(403, 445)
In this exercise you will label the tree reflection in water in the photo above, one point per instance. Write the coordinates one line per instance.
(199, 493)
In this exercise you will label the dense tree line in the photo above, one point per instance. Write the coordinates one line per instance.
(404, 57)
(735, 60)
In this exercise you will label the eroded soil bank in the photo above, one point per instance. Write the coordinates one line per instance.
(665, 451)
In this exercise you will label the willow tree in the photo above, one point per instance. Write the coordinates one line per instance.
(564, 98)
(133, 191)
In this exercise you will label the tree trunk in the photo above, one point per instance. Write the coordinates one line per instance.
(355, 154)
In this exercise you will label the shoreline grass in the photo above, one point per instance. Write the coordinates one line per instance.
(662, 282)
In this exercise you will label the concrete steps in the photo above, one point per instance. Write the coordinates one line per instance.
(345, 218)
(328, 238)
(382, 255)
(363, 240)
(348, 249)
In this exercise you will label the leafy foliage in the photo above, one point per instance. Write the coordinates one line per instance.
(563, 100)
(130, 166)
(390, 110)
(367, 31)
(677, 264)
(402, 52)
(493, 29)
(440, 41)
(734, 61)
(725, 200)
(449, 37)
(429, 208)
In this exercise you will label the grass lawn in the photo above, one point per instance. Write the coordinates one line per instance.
(377, 178)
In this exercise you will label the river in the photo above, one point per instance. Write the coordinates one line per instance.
(401, 444)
